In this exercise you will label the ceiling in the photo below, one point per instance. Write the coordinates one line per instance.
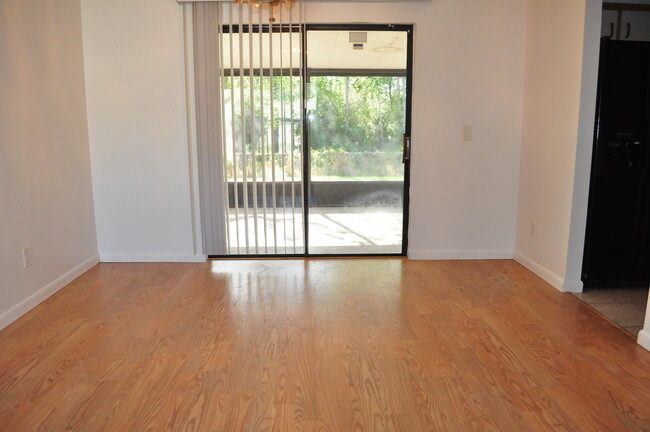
(326, 49)
(333, 50)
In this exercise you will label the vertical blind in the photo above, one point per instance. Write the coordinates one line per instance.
(208, 126)
(253, 132)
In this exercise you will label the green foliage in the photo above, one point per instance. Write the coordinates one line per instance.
(357, 113)
(355, 126)
(341, 163)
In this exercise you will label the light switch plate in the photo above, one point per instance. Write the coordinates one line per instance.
(27, 257)
(467, 133)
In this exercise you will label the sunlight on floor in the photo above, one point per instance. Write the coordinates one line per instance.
(332, 230)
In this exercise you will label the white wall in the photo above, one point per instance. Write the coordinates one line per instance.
(584, 146)
(559, 103)
(45, 186)
(469, 69)
(135, 86)
(644, 335)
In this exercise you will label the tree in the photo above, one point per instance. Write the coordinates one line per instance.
(348, 117)
(357, 114)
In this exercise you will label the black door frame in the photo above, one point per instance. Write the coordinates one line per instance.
(408, 28)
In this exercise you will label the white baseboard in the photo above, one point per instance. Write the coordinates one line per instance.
(573, 286)
(42, 294)
(462, 254)
(644, 339)
(151, 258)
(540, 270)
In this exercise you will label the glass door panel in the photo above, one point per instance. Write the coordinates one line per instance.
(356, 123)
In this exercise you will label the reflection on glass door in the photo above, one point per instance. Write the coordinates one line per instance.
(356, 123)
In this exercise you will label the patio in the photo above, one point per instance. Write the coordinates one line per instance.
(332, 230)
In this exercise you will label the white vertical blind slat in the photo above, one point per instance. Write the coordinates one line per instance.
(262, 137)
(242, 127)
(283, 136)
(273, 143)
(224, 153)
(252, 125)
(293, 142)
(302, 96)
(233, 128)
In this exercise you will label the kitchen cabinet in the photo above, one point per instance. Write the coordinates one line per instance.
(635, 25)
(623, 21)
(609, 25)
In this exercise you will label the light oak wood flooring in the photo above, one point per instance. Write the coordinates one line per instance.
(319, 345)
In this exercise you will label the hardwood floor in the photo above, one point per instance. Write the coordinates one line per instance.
(319, 345)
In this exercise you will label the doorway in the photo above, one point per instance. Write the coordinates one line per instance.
(316, 139)
(616, 257)
(358, 93)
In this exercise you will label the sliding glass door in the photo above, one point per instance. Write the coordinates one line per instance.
(314, 154)
(357, 88)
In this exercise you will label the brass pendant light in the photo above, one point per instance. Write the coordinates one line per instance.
(271, 3)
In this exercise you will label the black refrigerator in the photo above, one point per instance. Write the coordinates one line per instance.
(617, 242)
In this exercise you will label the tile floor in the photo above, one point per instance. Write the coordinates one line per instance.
(623, 306)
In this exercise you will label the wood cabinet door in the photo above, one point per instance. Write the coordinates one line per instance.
(635, 25)
(608, 24)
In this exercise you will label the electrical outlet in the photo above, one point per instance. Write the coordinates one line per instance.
(532, 228)
(467, 133)
(27, 257)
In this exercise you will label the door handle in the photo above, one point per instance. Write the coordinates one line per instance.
(611, 30)
(628, 27)
(406, 148)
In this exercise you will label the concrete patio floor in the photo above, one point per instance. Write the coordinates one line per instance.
(332, 230)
